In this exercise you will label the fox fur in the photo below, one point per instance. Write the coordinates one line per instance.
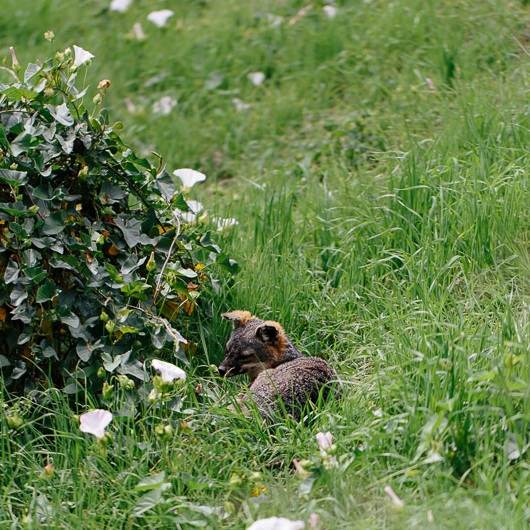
(281, 378)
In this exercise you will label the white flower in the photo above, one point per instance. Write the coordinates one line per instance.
(223, 224)
(240, 104)
(276, 523)
(189, 177)
(395, 499)
(80, 57)
(168, 371)
(160, 18)
(195, 206)
(256, 78)
(120, 5)
(164, 105)
(95, 421)
(331, 11)
(138, 31)
(274, 20)
(325, 441)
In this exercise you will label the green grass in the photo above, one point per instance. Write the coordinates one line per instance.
(382, 222)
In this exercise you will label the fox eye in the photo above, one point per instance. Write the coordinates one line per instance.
(247, 353)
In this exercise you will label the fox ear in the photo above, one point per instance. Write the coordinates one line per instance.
(238, 318)
(269, 333)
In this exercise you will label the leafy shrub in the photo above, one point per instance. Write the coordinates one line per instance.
(96, 267)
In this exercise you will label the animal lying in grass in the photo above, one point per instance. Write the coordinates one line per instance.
(282, 380)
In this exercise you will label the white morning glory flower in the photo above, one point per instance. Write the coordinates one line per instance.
(160, 18)
(240, 104)
(394, 498)
(189, 177)
(138, 31)
(164, 105)
(256, 78)
(168, 371)
(325, 441)
(331, 11)
(80, 57)
(95, 421)
(276, 523)
(195, 206)
(120, 5)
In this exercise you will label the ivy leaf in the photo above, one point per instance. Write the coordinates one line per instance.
(147, 502)
(61, 113)
(12, 272)
(54, 224)
(14, 178)
(46, 292)
(69, 318)
(151, 482)
(165, 184)
(32, 70)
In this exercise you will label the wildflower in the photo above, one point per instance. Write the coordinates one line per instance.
(160, 18)
(314, 520)
(95, 421)
(164, 105)
(325, 441)
(395, 499)
(168, 371)
(49, 35)
(276, 523)
(327, 449)
(274, 20)
(240, 104)
(256, 78)
(120, 5)
(14, 60)
(195, 206)
(330, 11)
(138, 31)
(80, 57)
(189, 177)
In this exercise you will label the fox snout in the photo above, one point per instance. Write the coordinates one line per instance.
(228, 371)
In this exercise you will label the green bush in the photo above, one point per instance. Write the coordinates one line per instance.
(97, 268)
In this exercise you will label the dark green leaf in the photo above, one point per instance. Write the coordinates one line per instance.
(46, 292)
(54, 224)
(164, 182)
(15, 178)
(12, 272)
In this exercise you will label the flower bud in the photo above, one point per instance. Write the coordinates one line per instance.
(15, 63)
(151, 264)
(48, 471)
(110, 326)
(49, 35)
(14, 421)
(107, 391)
(125, 382)
(235, 481)
(101, 373)
(164, 432)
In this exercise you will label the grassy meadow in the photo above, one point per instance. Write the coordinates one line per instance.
(379, 178)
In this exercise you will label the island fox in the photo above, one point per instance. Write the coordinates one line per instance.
(281, 378)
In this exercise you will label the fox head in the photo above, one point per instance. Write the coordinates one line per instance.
(254, 345)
